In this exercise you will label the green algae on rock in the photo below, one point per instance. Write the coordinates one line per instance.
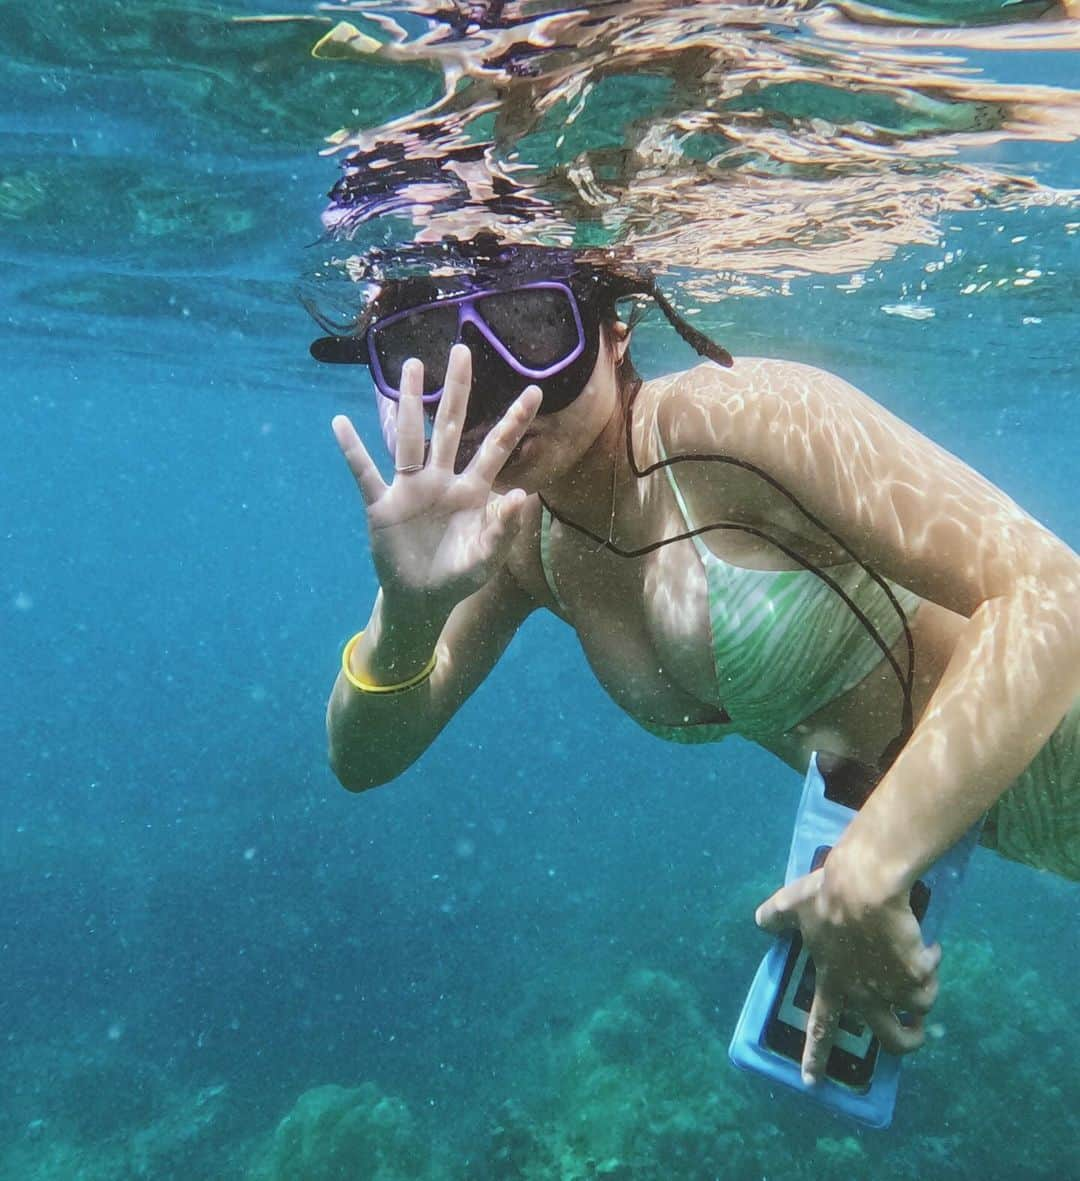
(334, 1133)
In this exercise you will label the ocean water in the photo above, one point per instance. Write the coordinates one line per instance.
(528, 953)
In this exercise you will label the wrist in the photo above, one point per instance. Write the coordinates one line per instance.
(409, 620)
(379, 688)
(861, 875)
(397, 643)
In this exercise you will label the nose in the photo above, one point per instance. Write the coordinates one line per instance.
(474, 339)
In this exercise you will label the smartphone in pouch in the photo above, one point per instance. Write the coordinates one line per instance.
(855, 1049)
(861, 1077)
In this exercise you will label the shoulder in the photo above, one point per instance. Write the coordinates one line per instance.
(804, 425)
(770, 431)
(757, 405)
(762, 413)
(853, 470)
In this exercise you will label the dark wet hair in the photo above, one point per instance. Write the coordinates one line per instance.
(416, 274)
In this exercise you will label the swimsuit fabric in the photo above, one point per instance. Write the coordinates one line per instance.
(784, 643)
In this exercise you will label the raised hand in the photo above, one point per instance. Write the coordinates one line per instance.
(437, 535)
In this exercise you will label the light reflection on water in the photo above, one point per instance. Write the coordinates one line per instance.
(755, 142)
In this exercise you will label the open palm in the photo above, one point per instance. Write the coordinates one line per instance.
(435, 533)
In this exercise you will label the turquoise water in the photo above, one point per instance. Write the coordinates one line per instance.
(528, 952)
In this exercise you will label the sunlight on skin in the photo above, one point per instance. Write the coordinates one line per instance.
(997, 637)
(921, 518)
(931, 524)
(728, 179)
(909, 509)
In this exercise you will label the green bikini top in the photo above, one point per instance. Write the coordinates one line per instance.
(784, 644)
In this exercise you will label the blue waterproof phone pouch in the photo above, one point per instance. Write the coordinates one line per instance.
(861, 1078)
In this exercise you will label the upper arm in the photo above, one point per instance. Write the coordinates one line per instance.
(901, 503)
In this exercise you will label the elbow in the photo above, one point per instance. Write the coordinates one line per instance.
(353, 786)
(351, 769)
(351, 777)
(1052, 601)
(1049, 589)
(1060, 591)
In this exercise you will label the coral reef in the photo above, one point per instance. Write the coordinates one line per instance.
(190, 1134)
(998, 1087)
(642, 1091)
(345, 1134)
(639, 1089)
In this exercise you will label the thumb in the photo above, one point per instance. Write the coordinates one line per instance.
(510, 508)
(503, 524)
(779, 913)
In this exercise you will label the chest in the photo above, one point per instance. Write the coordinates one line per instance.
(643, 624)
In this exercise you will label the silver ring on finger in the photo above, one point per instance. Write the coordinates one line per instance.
(408, 468)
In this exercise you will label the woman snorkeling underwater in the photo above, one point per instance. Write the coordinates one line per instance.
(751, 546)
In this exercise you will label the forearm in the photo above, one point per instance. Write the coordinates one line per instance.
(1014, 674)
(374, 737)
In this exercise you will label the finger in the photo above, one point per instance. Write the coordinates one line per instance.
(502, 526)
(505, 435)
(895, 1037)
(930, 960)
(778, 913)
(362, 466)
(916, 964)
(450, 415)
(917, 1000)
(410, 416)
(820, 1029)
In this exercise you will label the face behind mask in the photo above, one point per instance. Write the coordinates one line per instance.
(519, 338)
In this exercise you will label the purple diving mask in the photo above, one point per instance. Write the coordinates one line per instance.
(534, 333)
(520, 332)
(536, 330)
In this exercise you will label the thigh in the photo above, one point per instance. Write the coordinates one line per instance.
(1037, 821)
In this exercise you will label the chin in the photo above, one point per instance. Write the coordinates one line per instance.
(531, 465)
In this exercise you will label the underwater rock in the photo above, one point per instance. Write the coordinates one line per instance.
(345, 1134)
(839, 1159)
(512, 1143)
(187, 1140)
(1009, 1047)
(640, 1091)
(194, 1134)
(97, 1093)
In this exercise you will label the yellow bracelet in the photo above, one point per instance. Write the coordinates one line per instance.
(364, 687)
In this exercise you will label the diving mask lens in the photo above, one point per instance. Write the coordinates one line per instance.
(426, 333)
(540, 327)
